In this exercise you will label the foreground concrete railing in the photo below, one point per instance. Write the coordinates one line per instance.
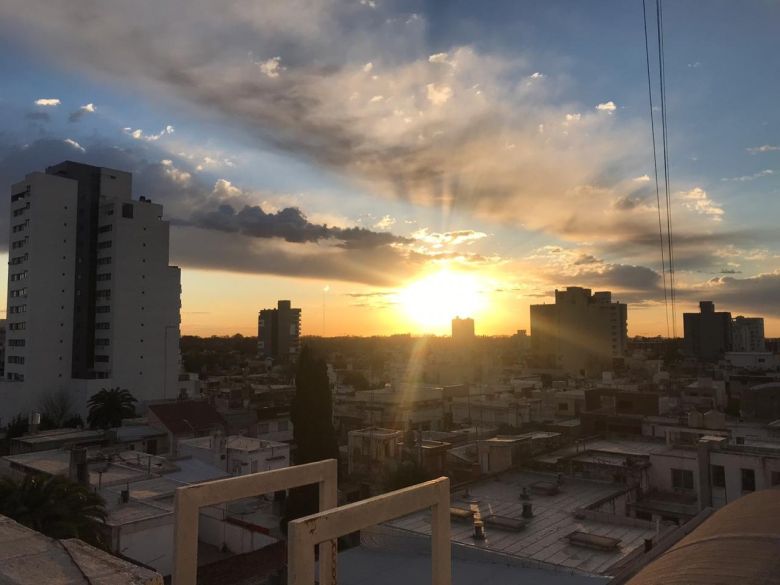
(190, 499)
(306, 533)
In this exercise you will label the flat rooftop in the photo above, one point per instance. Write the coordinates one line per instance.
(544, 538)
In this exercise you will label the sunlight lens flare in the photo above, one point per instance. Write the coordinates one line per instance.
(433, 301)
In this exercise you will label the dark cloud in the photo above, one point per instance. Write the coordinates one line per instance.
(38, 116)
(289, 224)
(758, 295)
(208, 232)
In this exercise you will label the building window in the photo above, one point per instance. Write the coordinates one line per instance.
(682, 479)
(102, 341)
(103, 276)
(101, 358)
(102, 309)
(18, 244)
(17, 309)
(718, 476)
(103, 325)
(15, 359)
(19, 275)
(103, 293)
(563, 406)
(16, 342)
(19, 259)
(775, 478)
(20, 326)
(748, 480)
(105, 260)
(127, 210)
(22, 292)
(105, 228)
(104, 245)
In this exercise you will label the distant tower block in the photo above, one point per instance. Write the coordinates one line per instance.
(278, 333)
(462, 330)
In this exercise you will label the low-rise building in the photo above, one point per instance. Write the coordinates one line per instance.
(237, 455)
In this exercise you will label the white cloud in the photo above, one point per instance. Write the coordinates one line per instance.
(175, 174)
(442, 58)
(642, 179)
(438, 94)
(369, 3)
(694, 65)
(368, 67)
(537, 75)
(608, 107)
(50, 102)
(763, 148)
(758, 175)
(385, 223)
(89, 108)
(81, 112)
(376, 99)
(576, 117)
(271, 68)
(697, 200)
(454, 238)
(74, 144)
(138, 134)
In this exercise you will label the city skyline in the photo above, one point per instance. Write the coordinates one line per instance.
(359, 158)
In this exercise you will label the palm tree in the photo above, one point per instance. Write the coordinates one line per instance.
(55, 506)
(107, 408)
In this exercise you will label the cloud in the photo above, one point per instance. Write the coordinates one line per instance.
(756, 295)
(432, 138)
(81, 112)
(442, 58)
(74, 144)
(38, 116)
(561, 266)
(138, 134)
(763, 148)
(220, 226)
(47, 102)
(642, 179)
(536, 75)
(453, 238)
(758, 175)
(438, 94)
(697, 200)
(385, 223)
(608, 107)
(368, 67)
(272, 67)
(694, 65)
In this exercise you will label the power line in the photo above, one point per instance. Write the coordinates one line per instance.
(664, 128)
(655, 166)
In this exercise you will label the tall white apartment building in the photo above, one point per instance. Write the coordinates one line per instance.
(581, 334)
(92, 301)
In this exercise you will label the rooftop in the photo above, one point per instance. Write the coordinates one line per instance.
(29, 557)
(544, 539)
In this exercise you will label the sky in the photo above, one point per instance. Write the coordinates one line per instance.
(387, 165)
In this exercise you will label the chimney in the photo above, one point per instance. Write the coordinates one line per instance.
(78, 470)
(34, 422)
(528, 510)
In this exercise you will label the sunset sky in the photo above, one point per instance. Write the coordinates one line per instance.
(388, 164)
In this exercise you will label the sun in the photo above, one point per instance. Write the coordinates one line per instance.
(434, 300)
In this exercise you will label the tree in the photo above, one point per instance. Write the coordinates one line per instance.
(313, 432)
(56, 410)
(107, 408)
(55, 506)
(16, 427)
